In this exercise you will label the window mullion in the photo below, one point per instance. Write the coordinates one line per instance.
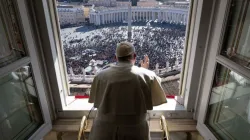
(14, 66)
(244, 71)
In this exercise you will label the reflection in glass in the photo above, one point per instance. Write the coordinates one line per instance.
(11, 46)
(237, 42)
(20, 113)
(228, 114)
(4, 43)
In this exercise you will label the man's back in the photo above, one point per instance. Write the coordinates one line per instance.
(122, 95)
(123, 89)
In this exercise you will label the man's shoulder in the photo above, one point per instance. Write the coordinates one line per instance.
(104, 72)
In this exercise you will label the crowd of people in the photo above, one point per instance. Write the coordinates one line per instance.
(162, 42)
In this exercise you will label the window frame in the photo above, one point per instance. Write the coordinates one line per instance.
(31, 58)
(214, 58)
(51, 16)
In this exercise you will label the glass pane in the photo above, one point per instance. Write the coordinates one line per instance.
(11, 47)
(20, 113)
(228, 115)
(90, 35)
(237, 40)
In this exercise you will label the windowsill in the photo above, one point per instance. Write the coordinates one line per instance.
(174, 125)
(82, 104)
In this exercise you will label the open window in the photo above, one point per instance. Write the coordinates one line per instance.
(87, 45)
(224, 104)
(73, 49)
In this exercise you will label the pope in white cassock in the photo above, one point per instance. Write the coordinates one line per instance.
(122, 95)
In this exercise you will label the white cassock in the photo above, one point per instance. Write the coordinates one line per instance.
(122, 94)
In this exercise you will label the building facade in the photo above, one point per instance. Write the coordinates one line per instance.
(106, 3)
(70, 15)
(102, 15)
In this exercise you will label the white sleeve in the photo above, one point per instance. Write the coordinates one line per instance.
(158, 94)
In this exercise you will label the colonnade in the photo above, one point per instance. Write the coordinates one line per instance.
(115, 15)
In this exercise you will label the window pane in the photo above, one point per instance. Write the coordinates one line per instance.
(228, 115)
(20, 113)
(11, 47)
(237, 40)
(91, 33)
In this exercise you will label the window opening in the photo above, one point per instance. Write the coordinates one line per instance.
(89, 38)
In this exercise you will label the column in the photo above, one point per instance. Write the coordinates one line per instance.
(158, 16)
(172, 17)
(119, 16)
(153, 13)
(106, 17)
(99, 19)
(165, 16)
(132, 16)
(122, 16)
(126, 16)
(182, 18)
(179, 18)
(110, 17)
(96, 20)
(150, 13)
(175, 16)
(103, 18)
(146, 15)
(116, 17)
(102, 21)
(168, 16)
(140, 16)
(137, 15)
(133, 13)
(113, 17)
